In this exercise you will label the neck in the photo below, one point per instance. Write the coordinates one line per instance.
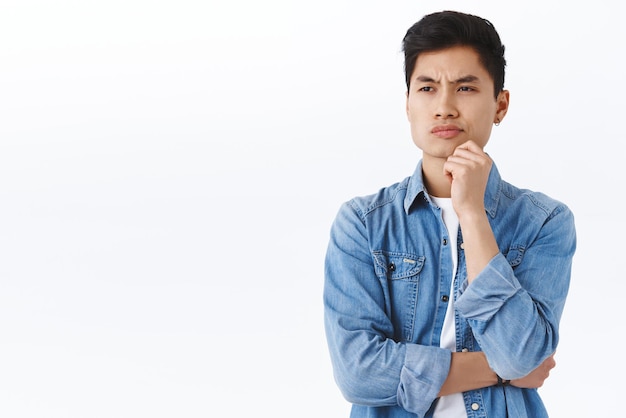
(437, 183)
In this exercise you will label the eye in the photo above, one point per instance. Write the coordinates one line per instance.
(466, 88)
(425, 88)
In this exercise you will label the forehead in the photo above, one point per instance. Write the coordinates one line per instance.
(453, 62)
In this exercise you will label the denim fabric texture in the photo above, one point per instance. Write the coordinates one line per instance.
(388, 273)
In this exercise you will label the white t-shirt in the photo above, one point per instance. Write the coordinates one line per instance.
(450, 406)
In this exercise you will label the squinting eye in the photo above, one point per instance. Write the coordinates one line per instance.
(465, 88)
(425, 88)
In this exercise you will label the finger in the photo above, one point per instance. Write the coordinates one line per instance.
(459, 160)
(454, 165)
(470, 151)
(470, 146)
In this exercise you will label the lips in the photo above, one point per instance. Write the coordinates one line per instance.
(446, 131)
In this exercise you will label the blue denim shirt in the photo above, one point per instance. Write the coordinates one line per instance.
(388, 273)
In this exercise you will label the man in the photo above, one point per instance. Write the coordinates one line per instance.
(443, 292)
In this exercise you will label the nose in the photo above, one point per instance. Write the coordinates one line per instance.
(446, 105)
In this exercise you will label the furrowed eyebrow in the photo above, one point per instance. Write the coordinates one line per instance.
(465, 79)
(424, 79)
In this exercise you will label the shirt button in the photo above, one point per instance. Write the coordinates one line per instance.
(475, 406)
(462, 245)
(392, 267)
(444, 298)
(445, 241)
(465, 350)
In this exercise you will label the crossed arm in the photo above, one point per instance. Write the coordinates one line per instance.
(470, 371)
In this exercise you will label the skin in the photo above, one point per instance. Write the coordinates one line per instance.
(451, 108)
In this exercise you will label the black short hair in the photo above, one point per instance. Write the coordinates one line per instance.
(446, 29)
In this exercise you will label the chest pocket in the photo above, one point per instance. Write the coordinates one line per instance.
(397, 266)
(399, 275)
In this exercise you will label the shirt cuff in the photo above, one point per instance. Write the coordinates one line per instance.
(424, 371)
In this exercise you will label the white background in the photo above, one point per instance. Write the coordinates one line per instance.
(169, 171)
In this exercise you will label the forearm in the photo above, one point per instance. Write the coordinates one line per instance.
(479, 243)
(468, 371)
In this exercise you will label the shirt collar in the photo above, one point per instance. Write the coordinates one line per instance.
(492, 193)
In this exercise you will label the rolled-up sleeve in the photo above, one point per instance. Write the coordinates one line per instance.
(425, 369)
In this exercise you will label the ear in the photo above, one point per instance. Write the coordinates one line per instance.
(407, 105)
(502, 106)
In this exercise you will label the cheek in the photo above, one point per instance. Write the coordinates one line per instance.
(413, 114)
(483, 117)
(483, 134)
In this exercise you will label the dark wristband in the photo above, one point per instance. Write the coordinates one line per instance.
(502, 382)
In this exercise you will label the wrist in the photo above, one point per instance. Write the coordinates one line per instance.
(503, 382)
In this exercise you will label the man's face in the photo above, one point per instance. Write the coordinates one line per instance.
(451, 100)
